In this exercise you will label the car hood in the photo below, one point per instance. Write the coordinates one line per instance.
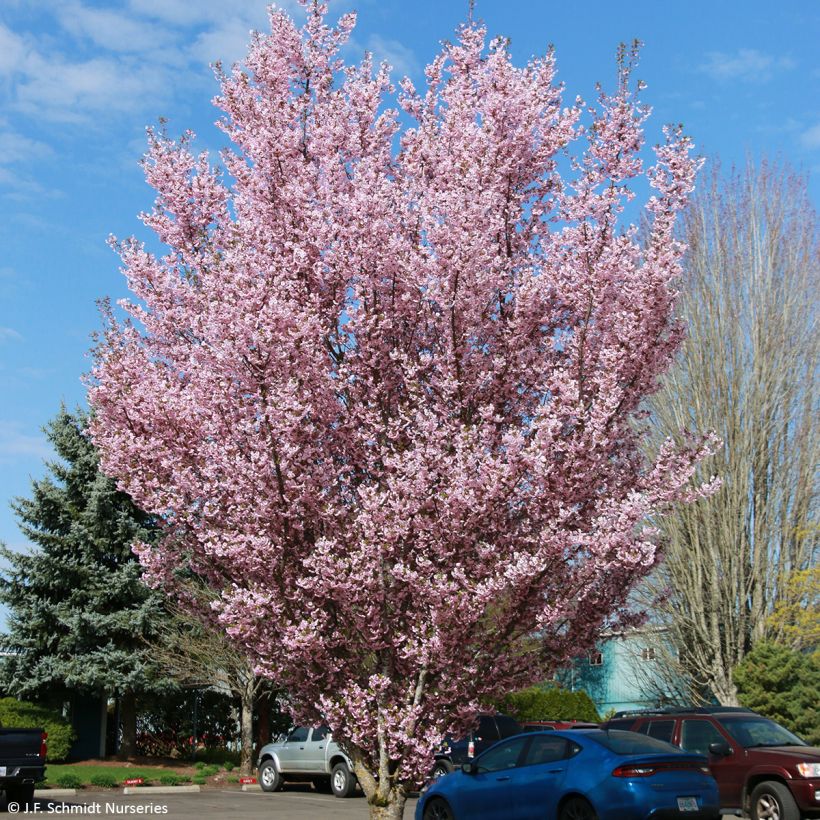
(791, 753)
(270, 748)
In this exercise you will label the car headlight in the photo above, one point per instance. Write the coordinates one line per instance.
(809, 769)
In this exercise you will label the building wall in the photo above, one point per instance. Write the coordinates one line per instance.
(625, 679)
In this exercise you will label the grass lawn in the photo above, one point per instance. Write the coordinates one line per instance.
(104, 774)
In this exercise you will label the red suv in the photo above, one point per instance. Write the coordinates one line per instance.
(760, 767)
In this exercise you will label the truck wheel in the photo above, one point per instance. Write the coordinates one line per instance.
(773, 801)
(342, 781)
(269, 778)
(441, 768)
(22, 795)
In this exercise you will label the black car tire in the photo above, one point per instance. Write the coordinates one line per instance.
(269, 777)
(22, 795)
(322, 784)
(438, 809)
(441, 768)
(773, 801)
(342, 780)
(576, 808)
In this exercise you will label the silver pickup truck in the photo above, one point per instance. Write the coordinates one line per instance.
(308, 754)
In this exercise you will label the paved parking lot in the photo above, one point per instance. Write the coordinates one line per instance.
(300, 804)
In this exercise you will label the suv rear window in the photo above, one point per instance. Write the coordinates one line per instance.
(659, 729)
(631, 743)
(507, 726)
(621, 723)
(487, 730)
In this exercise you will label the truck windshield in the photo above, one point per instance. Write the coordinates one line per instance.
(751, 732)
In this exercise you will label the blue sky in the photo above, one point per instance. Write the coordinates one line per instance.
(80, 80)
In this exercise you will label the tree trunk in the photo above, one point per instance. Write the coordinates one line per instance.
(262, 720)
(128, 722)
(385, 802)
(392, 811)
(246, 723)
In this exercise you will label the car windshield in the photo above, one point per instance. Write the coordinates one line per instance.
(631, 743)
(751, 732)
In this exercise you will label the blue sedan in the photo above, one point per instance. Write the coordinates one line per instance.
(575, 775)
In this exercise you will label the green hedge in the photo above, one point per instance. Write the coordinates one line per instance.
(66, 780)
(549, 703)
(104, 780)
(18, 714)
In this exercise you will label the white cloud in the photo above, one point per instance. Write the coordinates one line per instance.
(21, 186)
(66, 91)
(14, 442)
(401, 58)
(113, 30)
(746, 64)
(15, 147)
(7, 333)
(227, 43)
(12, 51)
(124, 59)
(810, 138)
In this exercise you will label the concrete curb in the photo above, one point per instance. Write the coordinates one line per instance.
(152, 790)
(55, 792)
(251, 787)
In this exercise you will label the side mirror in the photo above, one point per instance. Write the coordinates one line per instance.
(720, 749)
(469, 768)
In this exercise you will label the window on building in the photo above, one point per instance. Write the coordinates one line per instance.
(596, 659)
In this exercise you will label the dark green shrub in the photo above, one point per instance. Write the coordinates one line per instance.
(782, 684)
(218, 756)
(200, 765)
(171, 779)
(232, 778)
(67, 780)
(209, 771)
(165, 724)
(104, 780)
(19, 714)
(228, 766)
(198, 780)
(549, 703)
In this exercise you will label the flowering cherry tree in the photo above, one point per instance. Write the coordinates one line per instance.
(384, 387)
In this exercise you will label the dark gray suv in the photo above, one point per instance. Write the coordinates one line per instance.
(490, 729)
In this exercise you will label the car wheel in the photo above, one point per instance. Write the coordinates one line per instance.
(576, 808)
(322, 784)
(773, 801)
(22, 795)
(437, 809)
(269, 778)
(441, 768)
(342, 781)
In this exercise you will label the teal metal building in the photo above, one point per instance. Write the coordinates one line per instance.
(623, 673)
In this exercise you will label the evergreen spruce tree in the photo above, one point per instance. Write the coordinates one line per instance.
(79, 612)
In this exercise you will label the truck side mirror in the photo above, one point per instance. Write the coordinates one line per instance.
(469, 768)
(720, 749)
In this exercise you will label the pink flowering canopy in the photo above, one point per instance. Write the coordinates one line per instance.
(384, 388)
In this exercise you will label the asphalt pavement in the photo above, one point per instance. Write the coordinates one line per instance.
(209, 804)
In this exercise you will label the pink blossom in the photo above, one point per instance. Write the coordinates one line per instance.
(387, 401)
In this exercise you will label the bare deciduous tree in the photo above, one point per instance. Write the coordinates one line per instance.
(195, 651)
(748, 371)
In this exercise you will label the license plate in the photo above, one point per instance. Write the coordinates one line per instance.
(687, 804)
(2, 771)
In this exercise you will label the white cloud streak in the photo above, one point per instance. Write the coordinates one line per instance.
(746, 64)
